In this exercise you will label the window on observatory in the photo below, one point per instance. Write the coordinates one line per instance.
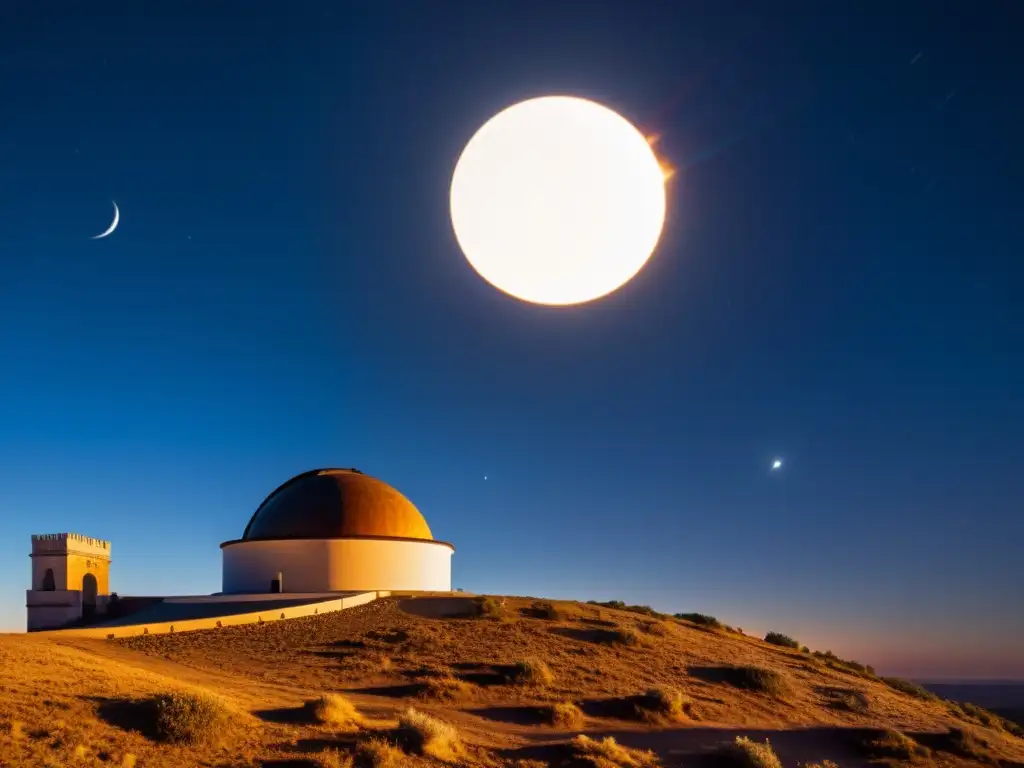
(48, 585)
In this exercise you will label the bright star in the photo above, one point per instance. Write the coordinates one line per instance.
(776, 464)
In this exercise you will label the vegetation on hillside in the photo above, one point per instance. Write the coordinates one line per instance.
(477, 682)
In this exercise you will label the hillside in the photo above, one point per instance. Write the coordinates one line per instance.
(517, 684)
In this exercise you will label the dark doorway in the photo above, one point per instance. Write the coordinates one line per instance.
(48, 585)
(89, 590)
(275, 586)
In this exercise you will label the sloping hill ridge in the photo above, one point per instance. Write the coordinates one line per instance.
(503, 672)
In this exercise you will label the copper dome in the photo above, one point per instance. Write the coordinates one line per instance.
(334, 504)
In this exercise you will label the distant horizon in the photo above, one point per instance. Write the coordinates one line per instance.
(881, 670)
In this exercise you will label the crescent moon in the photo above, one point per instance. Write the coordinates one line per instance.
(113, 224)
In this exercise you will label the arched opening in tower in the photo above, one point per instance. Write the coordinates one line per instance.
(48, 583)
(89, 590)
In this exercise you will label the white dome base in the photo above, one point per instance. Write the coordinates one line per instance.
(337, 565)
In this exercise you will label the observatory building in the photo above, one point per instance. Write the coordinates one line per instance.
(325, 532)
(332, 530)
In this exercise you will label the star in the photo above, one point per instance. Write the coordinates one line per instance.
(776, 465)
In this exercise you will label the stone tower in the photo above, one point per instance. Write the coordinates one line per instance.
(70, 580)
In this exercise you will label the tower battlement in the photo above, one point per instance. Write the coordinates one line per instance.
(63, 543)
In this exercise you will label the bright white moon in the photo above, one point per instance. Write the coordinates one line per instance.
(777, 464)
(558, 200)
(113, 225)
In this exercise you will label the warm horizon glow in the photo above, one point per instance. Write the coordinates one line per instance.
(558, 200)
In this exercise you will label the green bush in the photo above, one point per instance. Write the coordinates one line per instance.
(777, 638)
(910, 688)
(700, 618)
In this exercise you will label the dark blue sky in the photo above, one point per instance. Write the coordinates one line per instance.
(839, 283)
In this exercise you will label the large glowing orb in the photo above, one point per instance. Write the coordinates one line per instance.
(558, 200)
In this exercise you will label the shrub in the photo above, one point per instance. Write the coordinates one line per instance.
(777, 638)
(842, 665)
(966, 744)
(864, 670)
(655, 628)
(910, 688)
(752, 754)
(618, 605)
(981, 714)
(1015, 728)
(564, 714)
(488, 608)
(756, 679)
(664, 703)
(852, 701)
(626, 636)
(445, 688)
(608, 753)
(700, 619)
(379, 753)
(547, 611)
(531, 671)
(334, 709)
(894, 744)
(332, 758)
(189, 718)
(428, 736)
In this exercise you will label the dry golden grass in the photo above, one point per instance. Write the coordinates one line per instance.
(627, 636)
(967, 743)
(656, 628)
(331, 758)
(608, 753)
(379, 753)
(335, 710)
(758, 679)
(532, 671)
(86, 704)
(65, 706)
(664, 704)
(446, 688)
(190, 718)
(747, 753)
(564, 714)
(852, 701)
(895, 745)
(424, 735)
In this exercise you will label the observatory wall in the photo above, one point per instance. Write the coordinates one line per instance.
(342, 564)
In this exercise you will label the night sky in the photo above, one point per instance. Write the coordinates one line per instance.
(839, 283)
